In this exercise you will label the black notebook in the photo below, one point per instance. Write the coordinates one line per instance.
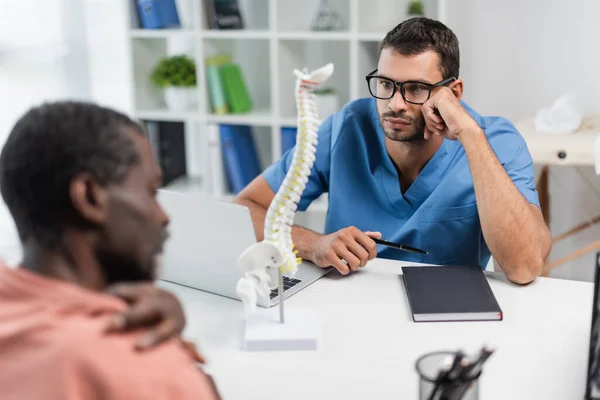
(450, 293)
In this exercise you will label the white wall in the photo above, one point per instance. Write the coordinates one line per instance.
(106, 24)
(35, 56)
(44, 56)
(519, 56)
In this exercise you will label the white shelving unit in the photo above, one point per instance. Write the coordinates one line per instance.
(277, 39)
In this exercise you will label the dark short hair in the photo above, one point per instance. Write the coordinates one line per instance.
(46, 149)
(417, 35)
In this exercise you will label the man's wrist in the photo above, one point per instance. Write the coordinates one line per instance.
(304, 241)
(471, 135)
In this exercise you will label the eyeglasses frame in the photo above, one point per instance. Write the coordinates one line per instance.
(431, 86)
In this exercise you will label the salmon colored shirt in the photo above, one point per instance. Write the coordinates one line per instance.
(52, 347)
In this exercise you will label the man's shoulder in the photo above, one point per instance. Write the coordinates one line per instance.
(355, 117)
(110, 363)
(361, 110)
(114, 357)
(499, 130)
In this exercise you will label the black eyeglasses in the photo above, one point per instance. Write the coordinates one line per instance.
(414, 92)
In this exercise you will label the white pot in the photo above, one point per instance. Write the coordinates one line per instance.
(180, 99)
(327, 104)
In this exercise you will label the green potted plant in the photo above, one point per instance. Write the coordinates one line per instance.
(416, 9)
(327, 101)
(176, 76)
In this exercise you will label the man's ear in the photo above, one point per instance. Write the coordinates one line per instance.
(89, 198)
(457, 88)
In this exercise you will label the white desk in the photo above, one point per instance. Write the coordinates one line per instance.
(370, 344)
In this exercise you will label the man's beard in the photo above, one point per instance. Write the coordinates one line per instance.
(117, 268)
(122, 266)
(417, 134)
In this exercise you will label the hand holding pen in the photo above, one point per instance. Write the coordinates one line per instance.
(346, 250)
(350, 249)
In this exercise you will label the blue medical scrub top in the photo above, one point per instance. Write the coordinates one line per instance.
(438, 212)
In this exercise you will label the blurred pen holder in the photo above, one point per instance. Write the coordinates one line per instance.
(430, 388)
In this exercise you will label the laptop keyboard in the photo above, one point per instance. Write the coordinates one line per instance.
(287, 283)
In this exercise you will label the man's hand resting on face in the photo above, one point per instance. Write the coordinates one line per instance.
(350, 244)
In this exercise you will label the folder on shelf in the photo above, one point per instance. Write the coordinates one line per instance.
(223, 14)
(216, 91)
(158, 14)
(239, 155)
(168, 14)
(167, 140)
(215, 169)
(288, 138)
(235, 87)
(149, 14)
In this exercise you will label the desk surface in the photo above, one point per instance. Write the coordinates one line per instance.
(370, 343)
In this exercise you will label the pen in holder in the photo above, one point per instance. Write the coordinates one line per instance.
(447, 375)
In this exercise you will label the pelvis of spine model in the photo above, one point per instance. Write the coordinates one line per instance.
(262, 261)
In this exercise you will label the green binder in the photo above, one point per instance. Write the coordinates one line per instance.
(235, 87)
(216, 92)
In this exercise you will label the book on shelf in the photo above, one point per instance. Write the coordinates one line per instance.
(235, 88)
(167, 140)
(239, 153)
(158, 14)
(288, 138)
(216, 92)
(227, 89)
(223, 14)
(217, 183)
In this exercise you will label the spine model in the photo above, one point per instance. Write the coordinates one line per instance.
(266, 261)
(280, 215)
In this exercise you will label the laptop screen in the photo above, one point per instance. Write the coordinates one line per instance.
(593, 380)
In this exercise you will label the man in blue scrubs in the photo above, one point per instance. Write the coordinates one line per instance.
(416, 165)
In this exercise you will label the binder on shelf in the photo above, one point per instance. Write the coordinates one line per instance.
(167, 140)
(235, 87)
(216, 91)
(288, 138)
(171, 152)
(149, 14)
(153, 130)
(215, 170)
(239, 155)
(169, 14)
(158, 14)
(223, 14)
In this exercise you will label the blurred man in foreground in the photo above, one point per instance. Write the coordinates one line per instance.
(80, 182)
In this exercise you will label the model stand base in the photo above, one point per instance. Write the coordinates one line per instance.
(265, 332)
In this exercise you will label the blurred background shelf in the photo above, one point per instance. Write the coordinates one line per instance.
(161, 33)
(311, 35)
(270, 39)
(371, 37)
(236, 34)
(167, 115)
(260, 116)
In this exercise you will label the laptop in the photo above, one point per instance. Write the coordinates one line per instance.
(207, 237)
(592, 391)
